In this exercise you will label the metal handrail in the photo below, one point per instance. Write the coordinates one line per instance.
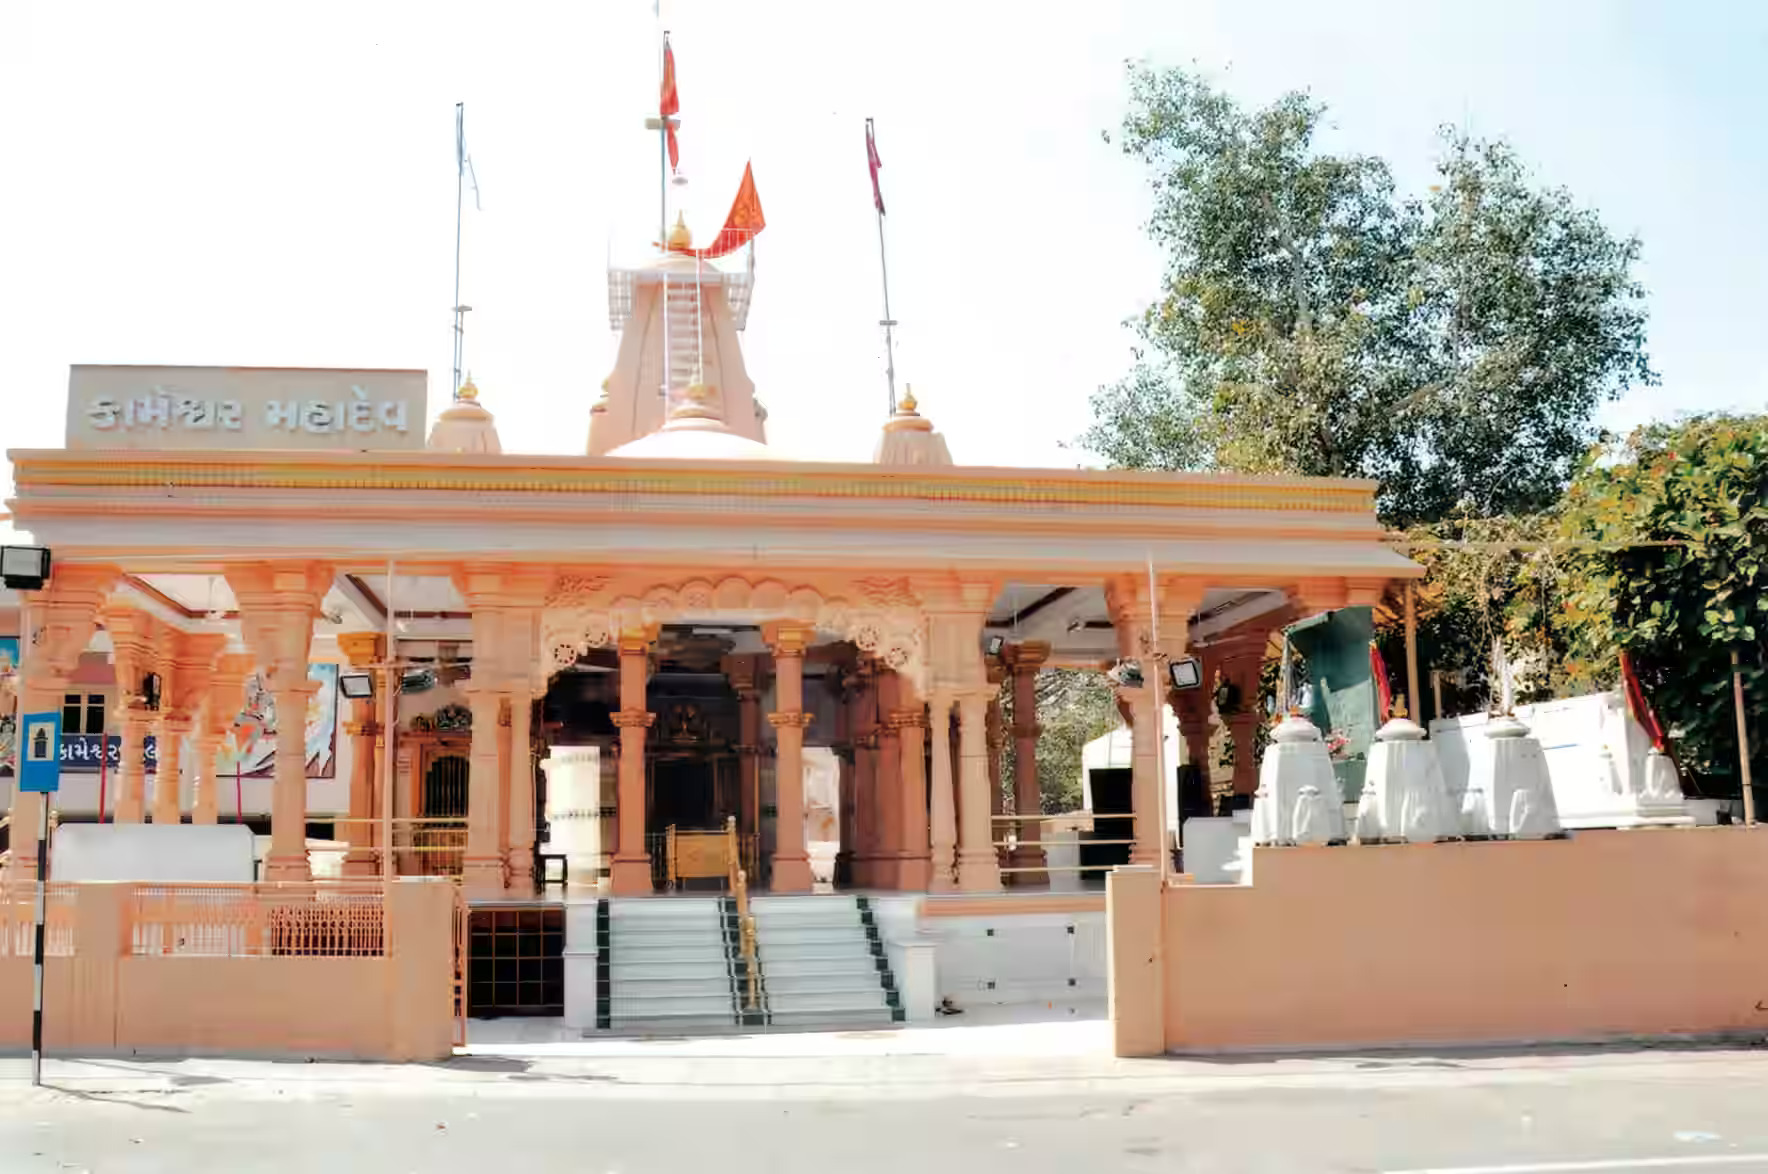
(739, 879)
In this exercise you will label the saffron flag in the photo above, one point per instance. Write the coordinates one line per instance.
(669, 104)
(740, 226)
(873, 163)
(1638, 706)
(1384, 693)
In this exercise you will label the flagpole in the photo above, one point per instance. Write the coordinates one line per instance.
(889, 323)
(663, 163)
(460, 180)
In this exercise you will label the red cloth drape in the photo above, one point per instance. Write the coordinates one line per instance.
(1384, 693)
(1638, 706)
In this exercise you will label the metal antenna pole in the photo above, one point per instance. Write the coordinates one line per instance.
(888, 323)
(460, 181)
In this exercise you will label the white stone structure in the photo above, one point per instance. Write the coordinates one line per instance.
(1404, 797)
(1603, 771)
(1297, 800)
(1508, 791)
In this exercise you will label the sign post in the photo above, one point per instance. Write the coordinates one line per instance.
(39, 772)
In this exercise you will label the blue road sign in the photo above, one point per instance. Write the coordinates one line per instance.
(39, 752)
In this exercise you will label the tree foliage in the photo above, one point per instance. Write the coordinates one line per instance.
(1454, 347)
(1074, 706)
(1680, 578)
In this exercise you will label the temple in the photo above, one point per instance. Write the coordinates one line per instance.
(641, 669)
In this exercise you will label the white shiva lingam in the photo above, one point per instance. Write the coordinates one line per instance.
(1297, 801)
(1509, 792)
(1404, 797)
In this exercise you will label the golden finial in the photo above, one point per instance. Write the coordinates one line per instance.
(907, 404)
(679, 236)
(1398, 710)
(467, 390)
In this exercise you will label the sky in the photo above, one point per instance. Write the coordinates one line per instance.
(268, 184)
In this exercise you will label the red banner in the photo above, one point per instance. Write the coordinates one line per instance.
(1384, 692)
(669, 104)
(1638, 706)
(873, 163)
(740, 227)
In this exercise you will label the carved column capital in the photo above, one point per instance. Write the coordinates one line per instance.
(902, 719)
(787, 720)
(362, 649)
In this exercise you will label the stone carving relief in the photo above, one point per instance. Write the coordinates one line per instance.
(882, 617)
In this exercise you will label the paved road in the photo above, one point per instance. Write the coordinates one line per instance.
(864, 1104)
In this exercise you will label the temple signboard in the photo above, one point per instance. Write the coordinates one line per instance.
(245, 408)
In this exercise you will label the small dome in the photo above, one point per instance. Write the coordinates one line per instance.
(695, 445)
(909, 438)
(465, 425)
(696, 431)
(680, 238)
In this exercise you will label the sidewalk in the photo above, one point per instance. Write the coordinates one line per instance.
(1001, 1060)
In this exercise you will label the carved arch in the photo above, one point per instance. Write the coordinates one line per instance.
(884, 621)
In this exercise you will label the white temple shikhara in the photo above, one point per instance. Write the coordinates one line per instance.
(680, 607)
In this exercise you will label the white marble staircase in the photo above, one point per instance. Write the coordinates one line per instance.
(668, 965)
(822, 963)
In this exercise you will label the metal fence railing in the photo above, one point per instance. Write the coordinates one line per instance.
(18, 919)
(328, 920)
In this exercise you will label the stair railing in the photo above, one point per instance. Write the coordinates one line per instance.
(739, 880)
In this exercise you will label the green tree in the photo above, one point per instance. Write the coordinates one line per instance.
(1313, 322)
(1679, 579)
(1074, 706)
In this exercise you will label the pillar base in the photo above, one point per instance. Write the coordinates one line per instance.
(482, 875)
(979, 873)
(940, 878)
(631, 875)
(791, 874)
(362, 862)
(288, 868)
(914, 874)
(1029, 857)
(204, 817)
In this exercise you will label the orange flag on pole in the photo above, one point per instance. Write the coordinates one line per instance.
(740, 226)
(669, 104)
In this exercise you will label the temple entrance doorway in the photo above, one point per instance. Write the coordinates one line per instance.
(692, 779)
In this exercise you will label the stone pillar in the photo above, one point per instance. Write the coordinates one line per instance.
(862, 720)
(741, 671)
(887, 786)
(942, 812)
(1243, 674)
(363, 650)
(131, 784)
(482, 864)
(521, 808)
(791, 865)
(278, 603)
(220, 710)
(189, 659)
(848, 753)
(1143, 706)
(169, 776)
(57, 624)
(134, 654)
(910, 723)
(979, 870)
(1025, 661)
(632, 862)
